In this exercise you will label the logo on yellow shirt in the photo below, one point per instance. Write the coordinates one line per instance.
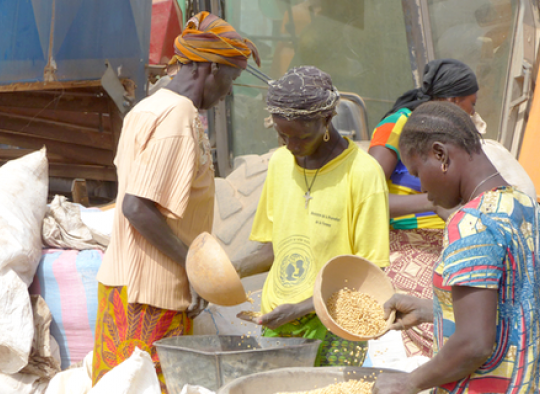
(294, 269)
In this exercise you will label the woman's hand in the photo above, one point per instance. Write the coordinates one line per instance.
(410, 311)
(394, 383)
(286, 313)
(198, 304)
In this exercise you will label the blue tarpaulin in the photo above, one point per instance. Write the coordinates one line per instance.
(69, 40)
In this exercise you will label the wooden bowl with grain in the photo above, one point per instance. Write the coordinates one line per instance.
(358, 275)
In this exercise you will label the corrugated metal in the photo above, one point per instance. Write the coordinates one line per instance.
(69, 40)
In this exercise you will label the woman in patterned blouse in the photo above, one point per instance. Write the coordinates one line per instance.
(486, 306)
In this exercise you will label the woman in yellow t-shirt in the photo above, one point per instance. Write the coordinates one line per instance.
(322, 197)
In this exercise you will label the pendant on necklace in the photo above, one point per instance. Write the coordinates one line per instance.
(307, 197)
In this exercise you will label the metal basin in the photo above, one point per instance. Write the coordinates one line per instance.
(298, 379)
(212, 361)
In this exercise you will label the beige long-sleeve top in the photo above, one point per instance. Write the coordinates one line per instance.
(164, 156)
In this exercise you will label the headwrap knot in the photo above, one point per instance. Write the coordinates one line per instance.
(422, 96)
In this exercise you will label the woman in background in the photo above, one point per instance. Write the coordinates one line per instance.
(415, 229)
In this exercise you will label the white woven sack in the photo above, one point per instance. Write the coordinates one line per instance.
(16, 322)
(136, 375)
(73, 380)
(22, 383)
(23, 202)
(509, 167)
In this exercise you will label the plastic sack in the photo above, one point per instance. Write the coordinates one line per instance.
(63, 228)
(509, 167)
(136, 375)
(22, 383)
(192, 389)
(23, 202)
(66, 279)
(44, 360)
(73, 380)
(16, 322)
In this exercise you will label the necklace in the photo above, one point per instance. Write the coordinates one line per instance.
(481, 183)
(307, 196)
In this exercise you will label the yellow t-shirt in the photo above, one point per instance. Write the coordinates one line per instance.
(348, 214)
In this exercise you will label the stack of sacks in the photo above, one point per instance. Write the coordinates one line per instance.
(23, 202)
(136, 375)
(66, 279)
(64, 228)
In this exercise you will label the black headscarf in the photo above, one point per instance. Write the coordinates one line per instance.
(442, 78)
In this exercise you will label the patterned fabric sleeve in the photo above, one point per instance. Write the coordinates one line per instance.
(476, 251)
(389, 129)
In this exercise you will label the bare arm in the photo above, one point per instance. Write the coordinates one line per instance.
(407, 205)
(475, 312)
(144, 215)
(399, 205)
(256, 263)
(286, 313)
(387, 158)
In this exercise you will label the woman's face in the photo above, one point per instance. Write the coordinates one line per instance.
(466, 103)
(440, 187)
(218, 84)
(301, 137)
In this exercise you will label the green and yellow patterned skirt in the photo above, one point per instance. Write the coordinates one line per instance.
(334, 351)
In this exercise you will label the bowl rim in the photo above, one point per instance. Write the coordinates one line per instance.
(337, 371)
(307, 341)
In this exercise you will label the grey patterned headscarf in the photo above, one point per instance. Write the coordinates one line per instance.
(303, 91)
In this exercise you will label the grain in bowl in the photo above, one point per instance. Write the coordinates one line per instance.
(358, 313)
(348, 387)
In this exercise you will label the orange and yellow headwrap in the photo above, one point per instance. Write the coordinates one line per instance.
(208, 38)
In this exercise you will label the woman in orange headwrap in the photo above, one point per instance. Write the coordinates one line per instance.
(165, 199)
(208, 38)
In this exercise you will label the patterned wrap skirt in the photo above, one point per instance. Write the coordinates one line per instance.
(413, 254)
(120, 327)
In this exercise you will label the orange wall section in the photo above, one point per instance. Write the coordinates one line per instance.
(529, 156)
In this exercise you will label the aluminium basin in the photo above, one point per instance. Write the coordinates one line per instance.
(212, 361)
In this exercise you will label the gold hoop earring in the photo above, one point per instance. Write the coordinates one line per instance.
(326, 136)
(444, 168)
